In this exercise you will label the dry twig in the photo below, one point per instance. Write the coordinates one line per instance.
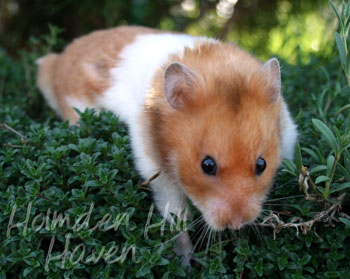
(326, 216)
(144, 184)
(12, 145)
(5, 126)
(304, 180)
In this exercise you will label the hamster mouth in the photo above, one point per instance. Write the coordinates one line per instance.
(234, 224)
(220, 214)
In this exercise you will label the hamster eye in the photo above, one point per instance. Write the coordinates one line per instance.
(260, 166)
(209, 165)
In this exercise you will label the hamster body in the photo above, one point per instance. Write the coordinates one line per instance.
(206, 114)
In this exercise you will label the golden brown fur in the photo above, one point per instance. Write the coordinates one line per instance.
(230, 116)
(82, 70)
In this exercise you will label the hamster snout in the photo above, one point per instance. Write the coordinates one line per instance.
(232, 213)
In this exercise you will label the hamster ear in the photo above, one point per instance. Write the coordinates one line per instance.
(271, 69)
(179, 82)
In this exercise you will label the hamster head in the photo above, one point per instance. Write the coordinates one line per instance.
(218, 135)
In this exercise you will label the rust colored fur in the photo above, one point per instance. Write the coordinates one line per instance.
(228, 117)
(82, 70)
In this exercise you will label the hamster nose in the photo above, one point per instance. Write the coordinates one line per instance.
(236, 224)
(232, 215)
(225, 215)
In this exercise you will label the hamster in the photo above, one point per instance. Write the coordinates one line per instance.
(206, 114)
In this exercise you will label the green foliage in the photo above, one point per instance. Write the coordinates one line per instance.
(52, 173)
(341, 38)
(291, 28)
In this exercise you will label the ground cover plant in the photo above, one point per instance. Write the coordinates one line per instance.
(72, 205)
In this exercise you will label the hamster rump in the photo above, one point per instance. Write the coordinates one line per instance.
(46, 67)
(219, 131)
(80, 75)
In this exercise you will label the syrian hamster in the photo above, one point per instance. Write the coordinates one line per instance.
(206, 114)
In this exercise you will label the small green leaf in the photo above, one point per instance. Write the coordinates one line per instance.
(341, 49)
(345, 172)
(322, 178)
(311, 153)
(27, 271)
(305, 259)
(347, 159)
(317, 169)
(298, 159)
(290, 167)
(327, 133)
(330, 162)
(342, 186)
(343, 108)
(345, 221)
(309, 269)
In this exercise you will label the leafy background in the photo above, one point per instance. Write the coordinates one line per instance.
(48, 166)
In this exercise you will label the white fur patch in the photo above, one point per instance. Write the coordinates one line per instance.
(50, 97)
(139, 61)
(39, 61)
(80, 104)
(289, 133)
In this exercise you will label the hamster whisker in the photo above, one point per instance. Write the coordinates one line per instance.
(280, 186)
(215, 235)
(169, 240)
(256, 230)
(199, 233)
(208, 241)
(264, 210)
(234, 235)
(220, 240)
(285, 198)
(195, 222)
(277, 212)
(201, 230)
(265, 214)
(206, 232)
(213, 239)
